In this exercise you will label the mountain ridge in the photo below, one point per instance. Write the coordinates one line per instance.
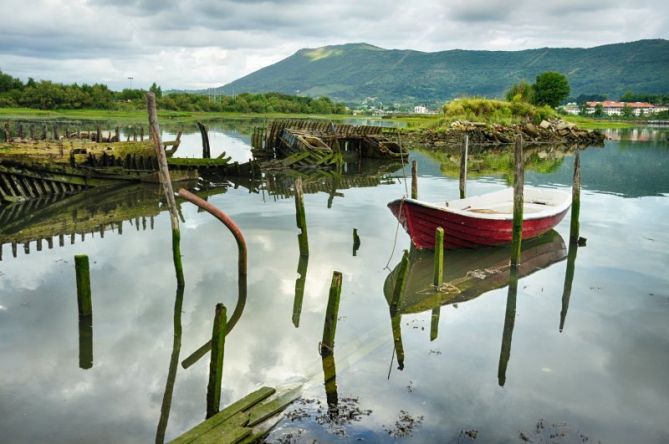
(352, 72)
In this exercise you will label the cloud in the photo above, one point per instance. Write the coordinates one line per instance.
(206, 43)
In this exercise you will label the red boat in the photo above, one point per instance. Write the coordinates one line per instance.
(480, 220)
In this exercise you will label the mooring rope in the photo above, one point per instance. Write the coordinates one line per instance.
(399, 212)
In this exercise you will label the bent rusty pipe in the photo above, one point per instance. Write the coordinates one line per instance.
(241, 268)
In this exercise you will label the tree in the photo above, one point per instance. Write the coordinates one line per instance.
(521, 91)
(156, 89)
(627, 112)
(550, 88)
(7, 82)
(599, 110)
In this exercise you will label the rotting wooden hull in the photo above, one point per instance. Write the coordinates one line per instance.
(420, 220)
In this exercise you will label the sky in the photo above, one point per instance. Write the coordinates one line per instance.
(196, 44)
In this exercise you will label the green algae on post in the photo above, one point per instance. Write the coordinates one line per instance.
(438, 256)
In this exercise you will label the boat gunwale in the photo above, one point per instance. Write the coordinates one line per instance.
(550, 211)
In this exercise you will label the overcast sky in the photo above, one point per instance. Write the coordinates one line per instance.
(207, 43)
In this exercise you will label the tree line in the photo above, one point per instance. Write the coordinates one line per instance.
(49, 95)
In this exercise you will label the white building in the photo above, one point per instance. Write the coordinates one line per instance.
(420, 109)
(612, 108)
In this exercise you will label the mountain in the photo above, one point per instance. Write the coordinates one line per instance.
(352, 72)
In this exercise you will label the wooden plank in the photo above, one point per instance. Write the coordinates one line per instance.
(243, 404)
(261, 412)
(229, 432)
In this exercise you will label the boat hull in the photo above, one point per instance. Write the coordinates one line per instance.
(461, 231)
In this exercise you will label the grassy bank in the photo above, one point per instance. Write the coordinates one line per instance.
(592, 123)
(140, 116)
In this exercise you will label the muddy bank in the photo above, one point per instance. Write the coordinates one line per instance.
(553, 131)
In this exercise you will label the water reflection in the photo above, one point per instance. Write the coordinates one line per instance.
(468, 273)
(620, 312)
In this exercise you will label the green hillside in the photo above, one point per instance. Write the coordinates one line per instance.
(353, 72)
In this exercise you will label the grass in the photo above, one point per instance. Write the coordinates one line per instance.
(141, 116)
(592, 123)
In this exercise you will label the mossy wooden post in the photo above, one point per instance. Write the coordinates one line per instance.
(438, 257)
(519, 180)
(330, 326)
(82, 270)
(45, 134)
(300, 214)
(356, 242)
(463, 167)
(218, 333)
(8, 134)
(206, 149)
(141, 134)
(85, 308)
(56, 136)
(98, 135)
(300, 283)
(434, 323)
(414, 180)
(395, 316)
(575, 199)
(117, 134)
(330, 382)
(31, 130)
(400, 282)
(568, 281)
(509, 321)
(20, 131)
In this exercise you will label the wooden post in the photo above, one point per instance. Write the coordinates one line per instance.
(300, 282)
(519, 180)
(20, 131)
(463, 167)
(356, 242)
(85, 342)
(509, 321)
(206, 150)
(216, 364)
(414, 180)
(117, 134)
(163, 170)
(434, 323)
(400, 281)
(98, 135)
(141, 133)
(575, 199)
(55, 132)
(82, 270)
(31, 129)
(568, 281)
(438, 257)
(330, 382)
(8, 134)
(45, 135)
(302, 238)
(330, 326)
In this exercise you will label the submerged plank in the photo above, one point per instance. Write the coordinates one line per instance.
(263, 411)
(243, 404)
(229, 432)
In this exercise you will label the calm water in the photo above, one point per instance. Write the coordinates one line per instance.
(603, 377)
